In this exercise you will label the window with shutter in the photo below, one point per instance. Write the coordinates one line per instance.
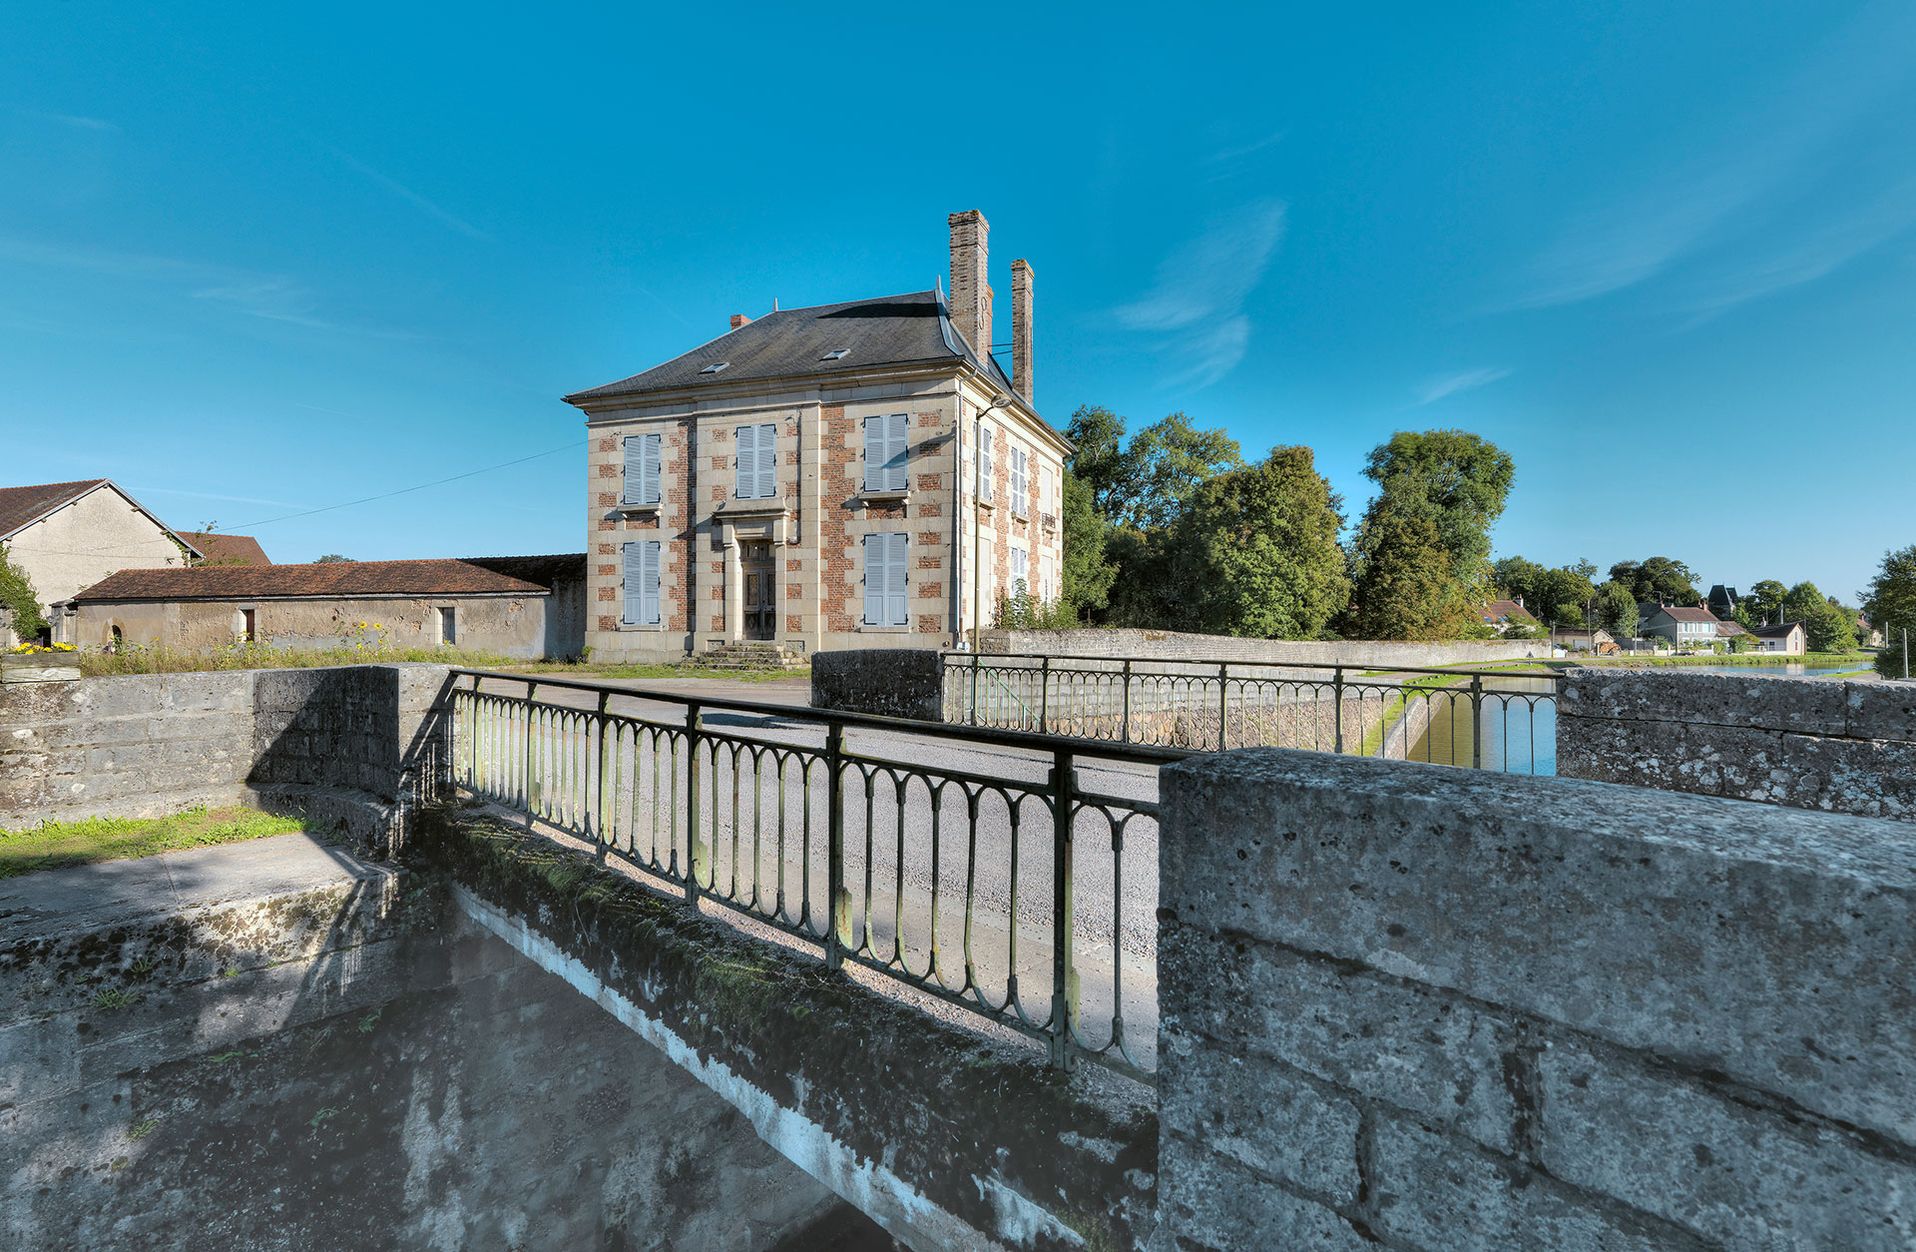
(886, 579)
(767, 462)
(895, 614)
(984, 462)
(642, 469)
(757, 462)
(887, 452)
(1021, 569)
(642, 583)
(1020, 484)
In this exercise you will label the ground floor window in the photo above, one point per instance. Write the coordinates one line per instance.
(642, 583)
(448, 626)
(249, 625)
(885, 578)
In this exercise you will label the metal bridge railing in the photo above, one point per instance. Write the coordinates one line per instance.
(1486, 719)
(1006, 873)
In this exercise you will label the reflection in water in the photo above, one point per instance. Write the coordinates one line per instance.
(1517, 724)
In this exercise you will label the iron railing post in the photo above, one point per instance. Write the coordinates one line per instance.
(526, 790)
(973, 719)
(1064, 970)
(1223, 703)
(1044, 693)
(1125, 735)
(838, 897)
(1476, 721)
(1337, 709)
(596, 820)
(693, 858)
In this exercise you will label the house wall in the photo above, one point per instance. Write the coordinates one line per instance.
(818, 521)
(81, 543)
(512, 625)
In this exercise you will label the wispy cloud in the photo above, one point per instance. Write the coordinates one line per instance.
(1255, 146)
(1434, 389)
(73, 120)
(430, 209)
(1742, 219)
(1196, 307)
(254, 293)
(214, 495)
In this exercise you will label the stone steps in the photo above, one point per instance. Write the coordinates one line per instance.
(748, 655)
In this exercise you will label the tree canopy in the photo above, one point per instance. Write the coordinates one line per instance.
(1660, 578)
(1890, 602)
(1087, 573)
(1560, 595)
(1826, 627)
(1615, 610)
(1144, 483)
(19, 602)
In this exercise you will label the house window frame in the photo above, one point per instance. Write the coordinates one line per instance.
(629, 497)
(865, 624)
(758, 450)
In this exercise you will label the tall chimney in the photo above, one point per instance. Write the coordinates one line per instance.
(1021, 328)
(970, 288)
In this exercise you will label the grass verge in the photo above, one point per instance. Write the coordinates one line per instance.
(589, 669)
(51, 845)
(153, 659)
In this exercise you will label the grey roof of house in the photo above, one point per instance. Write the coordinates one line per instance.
(910, 329)
(1775, 632)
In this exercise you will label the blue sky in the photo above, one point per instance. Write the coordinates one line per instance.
(256, 260)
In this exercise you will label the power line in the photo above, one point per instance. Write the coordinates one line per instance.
(387, 495)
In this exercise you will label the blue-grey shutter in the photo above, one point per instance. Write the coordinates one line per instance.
(747, 437)
(767, 462)
(633, 572)
(877, 567)
(895, 583)
(984, 462)
(897, 451)
(649, 469)
(876, 453)
(634, 470)
(649, 583)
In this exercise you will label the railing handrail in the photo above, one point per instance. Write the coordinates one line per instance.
(1030, 740)
(1357, 668)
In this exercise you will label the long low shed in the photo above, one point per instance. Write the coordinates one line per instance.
(514, 606)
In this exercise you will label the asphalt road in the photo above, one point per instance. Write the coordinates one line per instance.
(967, 815)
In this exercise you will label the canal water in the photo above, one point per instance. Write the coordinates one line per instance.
(1518, 722)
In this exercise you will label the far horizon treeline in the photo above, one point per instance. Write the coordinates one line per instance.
(1171, 528)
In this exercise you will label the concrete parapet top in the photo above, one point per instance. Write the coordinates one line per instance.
(1808, 706)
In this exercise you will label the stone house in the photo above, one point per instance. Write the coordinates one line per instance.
(66, 536)
(1504, 615)
(1789, 638)
(846, 475)
(1685, 626)
(524, 607)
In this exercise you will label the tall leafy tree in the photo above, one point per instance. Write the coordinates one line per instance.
(1144, 482)
(1615, 609)
(1890, 602)
(1427, 535)
(1660, 578)
(1087, 573)
(1256, 551)
(19, 602)
(1825, 626)
(1517, 578)
(1765, 601)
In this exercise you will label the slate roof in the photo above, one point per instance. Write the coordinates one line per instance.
(330, 580)
(1507, 611)
(543, 571)
(909, 329)
(1775, 632)
(20, 506)
(1686, 613)
(221, 549)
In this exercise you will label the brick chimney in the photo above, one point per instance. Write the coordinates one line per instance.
(738, 320)
(1021, 328)
(970, 288)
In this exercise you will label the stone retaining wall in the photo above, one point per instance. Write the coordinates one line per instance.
(883, 682)
(1413, 1007)
(352, 746)
(1171, 645)
(1813, 743)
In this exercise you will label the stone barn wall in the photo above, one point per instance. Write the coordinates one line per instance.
(1422, 1008)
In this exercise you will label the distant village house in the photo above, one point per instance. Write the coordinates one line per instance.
(1788, 638)
(67, 536)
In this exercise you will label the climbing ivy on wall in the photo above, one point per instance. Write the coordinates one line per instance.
(18, 600)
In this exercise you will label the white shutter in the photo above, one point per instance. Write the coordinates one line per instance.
(984, 462)
(642, 469)
(747, 459)
(1021, 568)
(897, 451)
(767, 462)
(895, 614)
(877, 570)
(1020, 485)
(649, 583)
(874, 428)
(632, 581)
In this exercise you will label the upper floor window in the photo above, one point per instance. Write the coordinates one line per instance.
(642, 469)
(1020, 571)
(1020, 481)
(984, 462)
(757, 462)
(886, 452)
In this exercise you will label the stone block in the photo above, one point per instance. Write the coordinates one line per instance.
(1748, 1176)
(1712, 930)
(1871, 777)
(884, 682)
(1880, 710)
(1437, 1192)
(1206, 1201)
(1260, 1113)
(1384, 1037)
(1751, 701)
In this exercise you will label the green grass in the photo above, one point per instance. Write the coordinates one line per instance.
(158, 659)
(54, 844)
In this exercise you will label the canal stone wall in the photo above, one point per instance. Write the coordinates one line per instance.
(1422, 1008)
(1171, 645)
(1813, 743)
(348, 1065)
(881, 682)
(352, 747)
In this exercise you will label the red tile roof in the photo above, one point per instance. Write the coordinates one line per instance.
(331, 580)
(221, 549)
(21, 505)
(1506, 611)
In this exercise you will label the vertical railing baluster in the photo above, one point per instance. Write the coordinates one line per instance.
(1337, 706)
(693, 860)
(1125, 735)
(1064, 972)
(973, 719)
(838, 898)
(1223, 703)
(597, 820)
(1476, 721)
(1044, 695)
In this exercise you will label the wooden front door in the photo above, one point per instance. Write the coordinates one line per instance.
(761, 599)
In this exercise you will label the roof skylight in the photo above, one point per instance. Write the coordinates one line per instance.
(836, 354)
(715, 367)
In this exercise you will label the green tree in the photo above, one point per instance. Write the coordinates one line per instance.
(1517, 578)
(1660, 578)
(1825, 628)
(333, 558)
(19, 602)
(1890, 602)
(1421, 561)
(1765, 601)
(1256, 551)
(1144, 483)
(1616, 609)
(1087, 573)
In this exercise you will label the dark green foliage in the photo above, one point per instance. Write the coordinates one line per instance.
(1256, 552)
(1660, 578)
(1614, 608)
(18, 600)
(1765, 602)
(1088, 573)
(1145, 483)
(1890, 602)
(1827, 627)
(1465, 479)
(1551, 595)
